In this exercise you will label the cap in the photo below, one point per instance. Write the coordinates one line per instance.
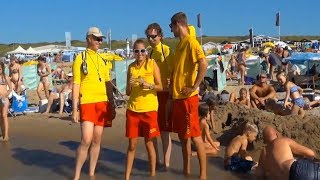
(95, 31)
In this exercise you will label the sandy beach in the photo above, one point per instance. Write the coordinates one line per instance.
(43, 146)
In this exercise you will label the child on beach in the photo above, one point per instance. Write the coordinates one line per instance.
(232, 64)
(211, 147)
(243, 98)
(294, 92)
(236, 156)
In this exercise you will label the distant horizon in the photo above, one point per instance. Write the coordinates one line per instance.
(47, 21)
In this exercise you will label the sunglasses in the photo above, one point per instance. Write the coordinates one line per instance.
(139, 50)
(99, 39)
(152, 36)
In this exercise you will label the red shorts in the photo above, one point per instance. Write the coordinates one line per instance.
(164, 116)
(143, 124)
(97, 113)
(185, 117)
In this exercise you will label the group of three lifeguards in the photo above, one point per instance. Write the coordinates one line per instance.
(163, 96)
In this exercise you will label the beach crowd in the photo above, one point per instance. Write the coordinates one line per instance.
(167, 94)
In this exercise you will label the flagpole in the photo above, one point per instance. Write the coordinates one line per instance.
(279, 26)
(109, 39)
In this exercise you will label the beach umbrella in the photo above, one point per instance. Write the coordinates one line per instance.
(268, 44)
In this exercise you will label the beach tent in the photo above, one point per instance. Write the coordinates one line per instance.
(30, 50)
(19, 50)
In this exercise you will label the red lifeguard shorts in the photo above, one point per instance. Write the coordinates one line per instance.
(164, 115)
(185, 117)
(97, 113)
(142, 124)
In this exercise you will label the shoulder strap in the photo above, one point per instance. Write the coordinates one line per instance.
(83, 56)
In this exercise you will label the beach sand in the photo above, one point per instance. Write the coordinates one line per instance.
(43, 146)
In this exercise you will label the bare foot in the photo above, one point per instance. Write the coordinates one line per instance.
(4, 139)
(45, 113)
(92, 177)
(152, 173)
(186, 173)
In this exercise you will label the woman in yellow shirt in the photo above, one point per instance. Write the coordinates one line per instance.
(143, 82)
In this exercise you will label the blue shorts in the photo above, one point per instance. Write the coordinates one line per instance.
(238, 164)
(304, 169)
(299, 102)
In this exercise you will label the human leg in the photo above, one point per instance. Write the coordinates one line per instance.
(46, 86)
(201, 156)
(52, 97)
(62, 100)
(130, 156)
(39, 89)
(82, 151)
(186, 153)
(5, 123)
(166, 146)
(151, 155)
(95, 148)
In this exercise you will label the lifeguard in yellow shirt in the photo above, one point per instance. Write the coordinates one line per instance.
(189, 69)
(164, 58)
(93, 91)
(143, 82)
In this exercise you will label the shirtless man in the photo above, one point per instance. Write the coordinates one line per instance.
(277, 161)
(260, 92)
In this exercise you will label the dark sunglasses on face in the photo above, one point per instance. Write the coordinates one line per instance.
(99, 39)
(139, 50)
(152, 36)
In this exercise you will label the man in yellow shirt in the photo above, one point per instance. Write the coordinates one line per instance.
(189, 69)
(93, 91)
(164, 58)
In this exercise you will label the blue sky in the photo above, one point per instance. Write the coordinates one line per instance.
(26, 21)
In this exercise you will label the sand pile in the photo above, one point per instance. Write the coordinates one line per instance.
(230, 119)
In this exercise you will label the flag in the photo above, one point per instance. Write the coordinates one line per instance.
(199, 20)
(278, 19)
(251, 36)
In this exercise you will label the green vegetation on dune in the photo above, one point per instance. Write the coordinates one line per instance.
(172, 42)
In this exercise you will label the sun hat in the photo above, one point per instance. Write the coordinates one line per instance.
(95, 31)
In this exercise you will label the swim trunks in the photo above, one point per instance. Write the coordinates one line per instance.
(304, 169)
(238, 164)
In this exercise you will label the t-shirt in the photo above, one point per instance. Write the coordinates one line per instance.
(142, 100)
(164, 59)
(92, 85)
(188, 52)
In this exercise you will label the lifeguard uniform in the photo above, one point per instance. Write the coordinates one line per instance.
(143, 104)
(164, 59)
(93, 95)
(185, 108)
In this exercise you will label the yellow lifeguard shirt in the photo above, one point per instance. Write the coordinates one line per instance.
(164, 59)
(92, 85)
(192, 30)
(187, 54)
(142, 100)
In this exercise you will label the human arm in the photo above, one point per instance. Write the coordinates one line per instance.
(286, 103)
(8, 82)
(299, 149)
(20, 73)
(253, 94)
(129, 82)
(111, 104)
(271, 93)
(202, 69)
(157, 80)
(207, 133)
(260, 171)
(75, 102)
(243, 148)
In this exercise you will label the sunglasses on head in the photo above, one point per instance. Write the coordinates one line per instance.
(152, 36)
(139, 50)
(99, 39)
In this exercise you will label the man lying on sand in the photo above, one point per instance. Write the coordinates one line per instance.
(236, 156)
(277, 161)
(260, 92)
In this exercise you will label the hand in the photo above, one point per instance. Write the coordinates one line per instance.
(262, 101)
(168, 83)
(75, 116)
(112, 110)
(187, 90)
(286, 104)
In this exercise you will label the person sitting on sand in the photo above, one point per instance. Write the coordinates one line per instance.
(261, 91)
(310, 104)
(294, 92)
(277, 159)
(211, 146)
(63, 94)
(236, 157)
(211, 102)
(243, 98)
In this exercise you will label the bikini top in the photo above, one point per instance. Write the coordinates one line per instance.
(294, 89)
(13, 71)
(43, 71)
(3, 81)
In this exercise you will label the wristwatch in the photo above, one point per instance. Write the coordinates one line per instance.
(151, 86)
